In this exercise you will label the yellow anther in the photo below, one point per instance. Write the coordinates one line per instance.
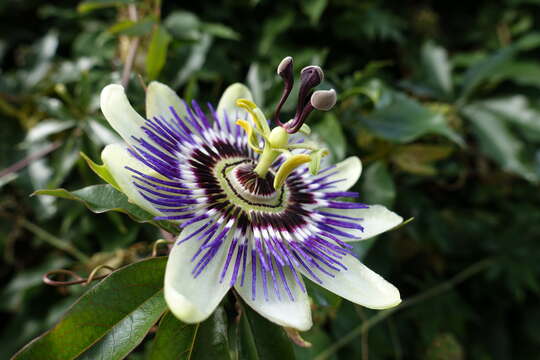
(252, 138)
(288, 167)
(315, 163)
(258, 117)
(304, 129)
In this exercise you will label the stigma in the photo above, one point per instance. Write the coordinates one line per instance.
(274, 144)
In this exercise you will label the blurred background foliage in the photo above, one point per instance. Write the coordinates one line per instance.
(440, 100)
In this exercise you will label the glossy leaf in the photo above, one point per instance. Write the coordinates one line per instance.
(104, 198)
(525, 73)
(499, 143)
(492, 64)
(90, 5)
(419, 159)
(272, 28)
(319, 340)
(133, 28)
(183, 25)
(157, 52)
(329, 129)
(482, 70)
(261, 339)
(403, 119)
(314, 9)
(46, 128)
(195, 60)
(437, 68)
(101, 171)
(377, 185)
(515, 109)
(109, 320)
(220, 31)
(176, 340)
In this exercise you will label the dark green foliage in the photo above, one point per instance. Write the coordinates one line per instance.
(439, 99)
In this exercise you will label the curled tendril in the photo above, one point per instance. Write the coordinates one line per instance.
(157, 243)
(48, 277)
(78, 279)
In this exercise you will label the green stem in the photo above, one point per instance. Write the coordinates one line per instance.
(265, 161)
(54, 241)
(380, 316)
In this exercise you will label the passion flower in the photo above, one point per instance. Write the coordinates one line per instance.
(255, 211)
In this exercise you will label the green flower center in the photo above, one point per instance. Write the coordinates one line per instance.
(246, 189)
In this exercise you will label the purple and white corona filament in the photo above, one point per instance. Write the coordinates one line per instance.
(255, 211)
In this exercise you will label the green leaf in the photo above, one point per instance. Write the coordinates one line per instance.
(482, 70)
(314, 9)
(320, 340)
(320, 296)
(403, 120)
(526, 73)
(377, 185)
(183, 25)
(157, 52)
(437, 68)
(515, 109)
(419, 158)
(212, 341)
(445, 346)
(101, 171)
(256, 84)
(261, 339)
(104, 198)
(46, 128)
(87, 6)
(220, 30)
(195, 60)
(109, 320)
(174, 339)
(274, 26)
(64, 160)
(494, 63)
(329, 129)
(100, 134)
(499, 143)
(133, 28)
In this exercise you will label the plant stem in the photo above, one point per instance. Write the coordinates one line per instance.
(133, 47)
(53, 240)
(29, 159)
(380, 316)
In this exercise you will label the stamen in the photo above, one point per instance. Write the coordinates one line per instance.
(252, 138)
(315, 163)
(258, 117)
(288, 167)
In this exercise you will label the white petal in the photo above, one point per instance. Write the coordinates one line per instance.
(120, 114)
(159, 97)
(116, 158)
(285, 312)
(348, 172)
(193, 299)
(360, 285)
(227, 103)
(375, 220)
